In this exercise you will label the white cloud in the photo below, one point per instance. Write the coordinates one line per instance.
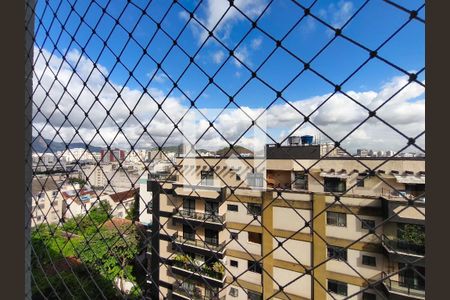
(256, 43)
(337, 117)
(215, 9)
(218, 56)
(243, 57)
(337, 14)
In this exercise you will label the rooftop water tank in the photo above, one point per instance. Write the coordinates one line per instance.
(307, 139)
(294, 140)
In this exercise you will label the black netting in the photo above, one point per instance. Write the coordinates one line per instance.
(153, 122)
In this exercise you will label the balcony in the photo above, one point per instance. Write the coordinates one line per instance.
(198, 246)
(402, 247)
(180, 292)
(410, 290)
(213, 275)
(210, 220)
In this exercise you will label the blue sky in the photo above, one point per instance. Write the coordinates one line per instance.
(370, 27)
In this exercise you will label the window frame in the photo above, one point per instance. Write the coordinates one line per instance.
(256, 238)
(334, 185)
(338, 219)
(331, 253)
(234, 262)
(340, 287)
(234, 292)
(207, 178)
(303, 181)
(367, 260)
(254, 266)
(364, 224)
(252, 210)
(233, 205)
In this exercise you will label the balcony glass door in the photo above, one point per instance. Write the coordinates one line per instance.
(189, 205)
(211, 237)
(411, 278)
(211, 210)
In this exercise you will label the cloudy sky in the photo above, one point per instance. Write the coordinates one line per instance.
(81, 86)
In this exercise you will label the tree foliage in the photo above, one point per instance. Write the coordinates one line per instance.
(412, 233)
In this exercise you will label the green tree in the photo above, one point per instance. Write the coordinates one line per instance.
(412, 233)
(111, 253)
(133, 212)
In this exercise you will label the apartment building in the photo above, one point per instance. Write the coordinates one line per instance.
(111, 177)
(265, 228)
(47, 204)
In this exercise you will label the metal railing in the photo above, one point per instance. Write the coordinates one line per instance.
(404, 287)
(204, 217)
(403, 246)
(207, 244)
(199, 269)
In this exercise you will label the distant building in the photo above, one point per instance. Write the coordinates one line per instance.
(45, 162)
(362, 152)
(155, 155)
(390, 153)
(114, 155)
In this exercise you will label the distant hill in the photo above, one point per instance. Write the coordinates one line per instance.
(40, 146)
(167, 149)
(236, 149)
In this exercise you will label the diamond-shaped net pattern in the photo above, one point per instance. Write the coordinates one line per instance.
(88, 239)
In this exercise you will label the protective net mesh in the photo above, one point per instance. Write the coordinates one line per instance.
(147, 76)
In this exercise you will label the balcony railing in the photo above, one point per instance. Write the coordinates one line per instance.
(203, 270)
(204, 217)
(402, 246)
(194, 294)
(207, 244)
(404, 288)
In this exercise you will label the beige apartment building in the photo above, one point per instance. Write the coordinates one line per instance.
(266, 229)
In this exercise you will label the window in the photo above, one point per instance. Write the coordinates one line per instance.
(232, 207)
(369, 296)
(301, 180)
(38, 218)
(207, 178)
(188, 233)
(211, 237)
(360, 180)
(233, 263)
(336, 219)
(254, 209)
(189, 204)
(41, 206)
(338, 253)
(337, 287)
(255, 179)
(254, 266)
(120, 214)
(253, 295)
(238, 177)
(367, 224)
(255, 237)
(369, 260)
(54, 203)
(334, 184)
(234, 292)
(233, 235)
(212, 208)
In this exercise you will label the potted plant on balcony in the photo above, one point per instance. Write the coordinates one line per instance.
(218, 268)
(181, 260)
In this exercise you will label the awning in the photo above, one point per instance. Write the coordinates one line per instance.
(341, 175)
(410, 179)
